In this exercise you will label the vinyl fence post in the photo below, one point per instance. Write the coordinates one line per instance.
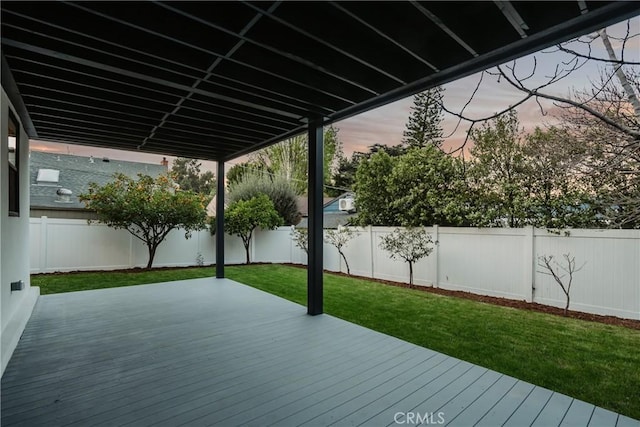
(528, 263)
(436, 254)
(43, 245)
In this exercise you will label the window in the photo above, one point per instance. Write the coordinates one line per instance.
(13, 138)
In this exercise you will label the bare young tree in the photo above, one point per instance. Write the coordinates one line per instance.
(300, 238)
(551, 267)
(339, 238)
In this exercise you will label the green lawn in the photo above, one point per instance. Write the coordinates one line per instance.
(590, 361)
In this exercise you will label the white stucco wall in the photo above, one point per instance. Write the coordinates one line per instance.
(15, 307)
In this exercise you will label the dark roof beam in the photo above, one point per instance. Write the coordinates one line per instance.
(137, 52)
(160, 92)
(325, 43)
(191, 46)
(436, 20)
(107, 42)
(133, 74)
(198, 144)
(208, 133)
(81, 106)
(11, 88)
(82, 141)
(513, 17)
(295, 58)
(384, 36)
(82, 112)
(61, 119)
(85, 130)
(99, 89)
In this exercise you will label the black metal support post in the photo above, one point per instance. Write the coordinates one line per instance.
(220, 222)
(315, 259)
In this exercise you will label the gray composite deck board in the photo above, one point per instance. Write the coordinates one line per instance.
(215, 352)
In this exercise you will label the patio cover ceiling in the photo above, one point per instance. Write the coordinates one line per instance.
(216, 80)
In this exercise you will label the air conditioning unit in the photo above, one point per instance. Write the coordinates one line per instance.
(347, 205)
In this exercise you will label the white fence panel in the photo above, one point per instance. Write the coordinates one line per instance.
(487, 262)
(359, 254)
(386, 268)
(495, 262)
(272, 245)
(609, 282)
(65, 245)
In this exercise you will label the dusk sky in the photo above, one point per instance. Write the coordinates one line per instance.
(385, 125)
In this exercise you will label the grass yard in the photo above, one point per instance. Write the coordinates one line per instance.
(590, 361)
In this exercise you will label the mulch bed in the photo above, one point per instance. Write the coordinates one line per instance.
(505, 302)
(610, 320)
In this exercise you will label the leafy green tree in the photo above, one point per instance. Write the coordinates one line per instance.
(186, 173)
(276, 188)
(427, 187)
(332, 153)
(558, 196)
(408, 244)
(424, 125)
(497, 173)
(374, 200)
(242, 217)
(345, 175)
(339, 238)
(290, 160)
(147, 208)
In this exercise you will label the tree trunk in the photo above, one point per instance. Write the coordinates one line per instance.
(345, 263)
(152, 253)
(566, 307)
(246, 249)
(410, 273)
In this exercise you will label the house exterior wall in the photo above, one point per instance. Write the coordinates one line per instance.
(16, 306)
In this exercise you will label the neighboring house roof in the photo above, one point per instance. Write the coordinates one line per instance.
(332, 216)
(50, 173)
(303, 204)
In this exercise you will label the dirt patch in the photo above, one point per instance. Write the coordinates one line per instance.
(505, 302)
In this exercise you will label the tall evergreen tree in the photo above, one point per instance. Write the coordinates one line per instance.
(424, 125)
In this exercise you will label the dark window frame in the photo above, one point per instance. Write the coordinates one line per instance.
(14, 167)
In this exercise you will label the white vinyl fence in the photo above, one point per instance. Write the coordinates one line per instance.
(495, 262)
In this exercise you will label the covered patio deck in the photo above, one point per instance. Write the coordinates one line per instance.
(216, 352)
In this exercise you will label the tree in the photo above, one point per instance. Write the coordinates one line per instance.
(558, 196)
(424, 125)
(344, 177)
(611, 166)
(409, 244)
(374, 201)
(427, 187)
(242, 217)
(238, 171)
(339, 238)
(300, 237)
(147, 208)
(497, 173)
(276, 188)
(289, 158)
(186, 173)
(550, 268)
